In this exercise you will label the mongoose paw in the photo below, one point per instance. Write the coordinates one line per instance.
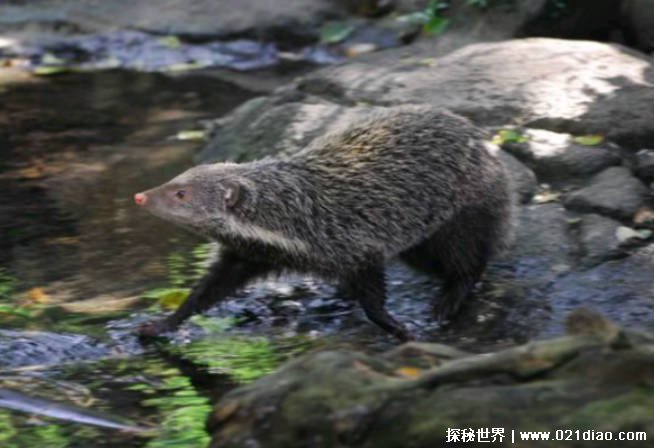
(154, 328)
(405, 335)
(446, 311)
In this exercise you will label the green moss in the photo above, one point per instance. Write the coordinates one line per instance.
(633, 410)
(7, 285)
(244, 358)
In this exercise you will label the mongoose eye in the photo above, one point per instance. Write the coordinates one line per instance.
(180, 194)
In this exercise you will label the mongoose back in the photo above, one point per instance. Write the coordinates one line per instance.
(415, 183)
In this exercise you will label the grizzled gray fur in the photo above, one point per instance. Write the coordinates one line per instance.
(415, 183)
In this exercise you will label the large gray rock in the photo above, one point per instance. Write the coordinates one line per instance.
(567, 86)
(573, 86)
(614, 192)
(555, 155)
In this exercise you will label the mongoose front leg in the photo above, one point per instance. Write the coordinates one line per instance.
(369, 287)
(225, 276)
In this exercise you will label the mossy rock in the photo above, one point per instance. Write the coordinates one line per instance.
(597, 378)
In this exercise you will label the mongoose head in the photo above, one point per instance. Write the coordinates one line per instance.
(202, 199)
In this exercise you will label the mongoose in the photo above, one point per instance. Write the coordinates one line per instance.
(415, 183)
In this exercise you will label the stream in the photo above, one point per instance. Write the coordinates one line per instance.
(81, 267)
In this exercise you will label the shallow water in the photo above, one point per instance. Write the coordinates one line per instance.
(75, 150)
(81, 266)
(75, 254)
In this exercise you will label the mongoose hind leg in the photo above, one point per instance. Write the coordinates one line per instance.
(369, 288)
(225, 276)
(453, 295)
(457, 252)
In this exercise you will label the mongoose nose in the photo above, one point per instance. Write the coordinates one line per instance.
(140, 199)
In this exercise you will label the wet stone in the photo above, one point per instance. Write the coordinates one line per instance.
(415, 392)
(614, 192)
(598, 239)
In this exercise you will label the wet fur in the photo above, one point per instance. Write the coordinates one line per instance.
(414, 183)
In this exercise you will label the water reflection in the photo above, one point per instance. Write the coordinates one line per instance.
(74, 150)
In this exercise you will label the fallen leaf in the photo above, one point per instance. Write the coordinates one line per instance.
(170, 42)
(589, 140)
(172, 299)
(359, 49)
(63, 240)
(38, 295)
(409, 372)
(625, 234)
(546, 196)
(51, 59)
(183, 67)
(509, 136)
(47, 70)
(334, 32)
(192, 135)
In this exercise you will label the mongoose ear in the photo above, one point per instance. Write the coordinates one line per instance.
(232, 194)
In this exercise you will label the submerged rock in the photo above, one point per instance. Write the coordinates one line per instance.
(27, 348)
(598, 378)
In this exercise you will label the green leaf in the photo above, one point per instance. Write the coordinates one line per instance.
(168, 298)
(184, 67)
(51, 59)
(333, 32)
(509, 136)
(589, 140)
(170, 42)
(436, 25)
(48, 70)
(192, 135)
